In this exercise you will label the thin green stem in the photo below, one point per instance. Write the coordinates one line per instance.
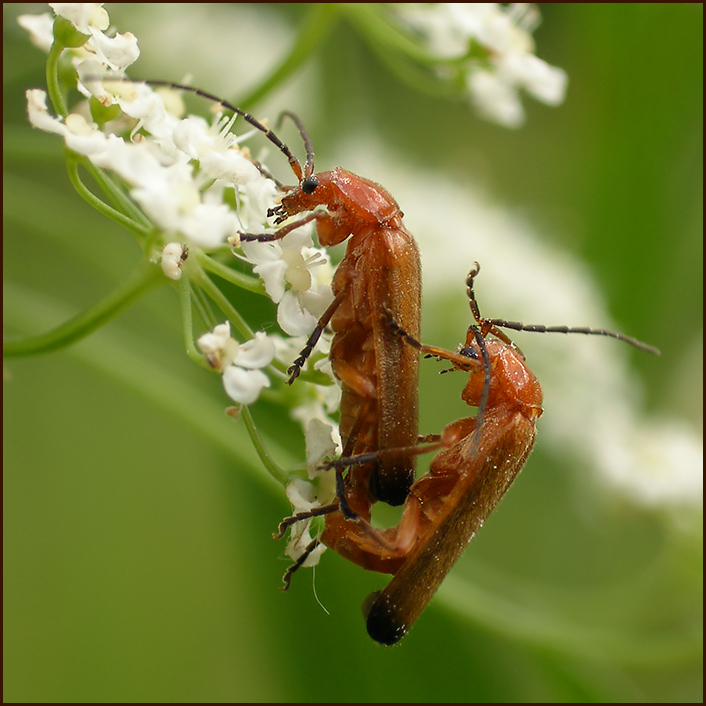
(404, 56)
(52, 74)
(116, 193)
(224, 305)
(184, 290)
(279, 474)
(202, 304)
(87, 195)
(312, 33)
(88, 321)
(251, 284)
(371, 20)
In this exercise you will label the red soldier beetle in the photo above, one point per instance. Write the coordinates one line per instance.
(378, 372)
(381, 270)
(478, 458)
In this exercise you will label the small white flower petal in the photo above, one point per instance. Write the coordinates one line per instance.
(260, 253)
(320, 445)
(292, 318)
(317, 300)
(39, 115)
(230, 166)
(189, 134)
(495, 99)
(83, 15)
(117, 52)
(78, 134)
(219, 347)
(257, 197)
(298, 239)
(272, 274)
(40, 28)
(300, 539)
(297, 274)
(302, 495)
(208, 225)
(244, 386)
(257, 352)
(83, 137)
(546, 83)
(214, 340)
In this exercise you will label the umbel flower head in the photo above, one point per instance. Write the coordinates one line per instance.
(194, 183)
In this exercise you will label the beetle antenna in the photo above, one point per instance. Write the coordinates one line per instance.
(269, 134)
(309, 166)
(485, 326)
(539, 328)
(494, 325)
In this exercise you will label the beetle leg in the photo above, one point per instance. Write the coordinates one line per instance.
(313, 339)
(287, 578)
(281, 232)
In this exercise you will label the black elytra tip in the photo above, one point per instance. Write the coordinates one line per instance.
(392, 488)
(382, 623)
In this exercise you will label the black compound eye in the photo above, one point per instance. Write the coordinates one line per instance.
(309, 184)
(469, 352)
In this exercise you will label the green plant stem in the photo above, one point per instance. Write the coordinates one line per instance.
(184, 289)
(378, 30)
(73, 330)
(116, 193)
(87, 195)
(201, 304)
(279, 474)
(224, 305)
(312, 33)
(52, 74)
(404, 57)
(251, 284)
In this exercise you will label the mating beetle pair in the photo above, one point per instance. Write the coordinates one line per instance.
(375, 317)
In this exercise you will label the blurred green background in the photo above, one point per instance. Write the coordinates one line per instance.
(139, 564)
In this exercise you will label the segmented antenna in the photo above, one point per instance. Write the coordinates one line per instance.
(269, 134)
(309, 166)
(493, 325)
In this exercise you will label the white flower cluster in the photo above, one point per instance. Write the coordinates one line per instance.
(185, 174)
(495, 45)
(180, 196)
